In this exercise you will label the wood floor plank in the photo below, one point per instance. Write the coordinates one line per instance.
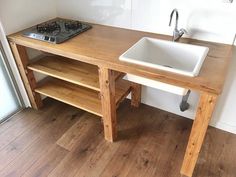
(67, 142)
(97, 161)
(47, 162)
(221, 159)
(102, 155)
(130, 132)
(143, 157)
(70, 139)
(85, 146)
(22, 142)
(12, 121)
(10, 134)
(40, 146)
(171, 153)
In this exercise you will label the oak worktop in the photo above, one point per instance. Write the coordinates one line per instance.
(102, 46)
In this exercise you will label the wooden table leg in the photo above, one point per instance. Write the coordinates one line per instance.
(204, 112)
(107, 87)
(136, 94)
(27, 75)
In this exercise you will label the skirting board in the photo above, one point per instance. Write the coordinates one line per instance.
(224, 126)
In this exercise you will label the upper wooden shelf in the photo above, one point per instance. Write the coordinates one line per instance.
(78, 96)
(73, 71)
(102, 46)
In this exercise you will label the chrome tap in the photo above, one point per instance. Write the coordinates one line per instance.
(177, 34)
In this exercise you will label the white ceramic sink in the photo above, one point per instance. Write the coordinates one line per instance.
(169, 56)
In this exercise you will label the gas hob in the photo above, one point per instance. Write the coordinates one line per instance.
(56, 31)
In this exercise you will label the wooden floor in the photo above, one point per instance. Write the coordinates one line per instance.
(62, 141)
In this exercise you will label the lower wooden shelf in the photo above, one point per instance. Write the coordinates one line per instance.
(80, 97)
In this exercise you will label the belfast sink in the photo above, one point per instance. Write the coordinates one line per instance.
(169, 56)
(179, 58)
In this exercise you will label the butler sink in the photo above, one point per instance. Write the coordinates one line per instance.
(179, 58)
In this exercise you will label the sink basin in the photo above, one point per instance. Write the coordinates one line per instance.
(169, 56)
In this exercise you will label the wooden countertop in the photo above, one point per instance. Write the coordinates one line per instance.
(102, 46)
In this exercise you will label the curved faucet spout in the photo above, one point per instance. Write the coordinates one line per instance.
(177, 34)
(176, 18)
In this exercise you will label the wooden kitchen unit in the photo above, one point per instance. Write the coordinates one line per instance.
(86, 72)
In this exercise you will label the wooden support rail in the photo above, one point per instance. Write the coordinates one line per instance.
(204, 112)
(22, 61)
(107, 86)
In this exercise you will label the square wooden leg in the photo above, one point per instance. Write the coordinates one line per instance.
(136, 94)
(204, 112)
(107, 87)
(27, 75)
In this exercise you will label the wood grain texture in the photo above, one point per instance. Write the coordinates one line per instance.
(80, 97)
(12, 132)
(151, 144)
(107, 86)
(107, 45)
(61, 118)
(136, 90)
(71, 94)
(204, 112)
(82, 127)
(69, 70)
(123, 88)
(28, 132)
(222, 163)
(82, 148)
(47, 162)
(102, 46)
(76, 72)
(22, 61)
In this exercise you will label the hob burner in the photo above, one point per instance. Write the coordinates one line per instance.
(57, 30)
(48, 27)
(73, 25)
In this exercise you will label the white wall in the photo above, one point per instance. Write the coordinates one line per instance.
(225, 113)
(204, 19)
(18, 15)
(109, 12)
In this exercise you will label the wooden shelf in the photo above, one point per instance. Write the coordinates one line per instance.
(71, 94)
(76, 72)
(80, 97)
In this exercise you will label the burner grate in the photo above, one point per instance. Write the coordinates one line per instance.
(73, 25)
(51, 27)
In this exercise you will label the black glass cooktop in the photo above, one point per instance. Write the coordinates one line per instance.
(56, 31)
